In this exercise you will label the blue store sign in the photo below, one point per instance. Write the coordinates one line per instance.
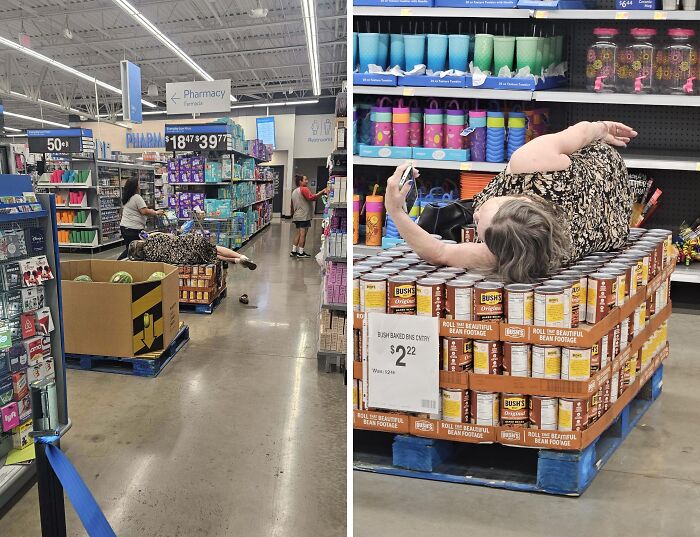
(147, 140)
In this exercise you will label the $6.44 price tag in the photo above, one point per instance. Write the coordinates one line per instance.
(403, 363)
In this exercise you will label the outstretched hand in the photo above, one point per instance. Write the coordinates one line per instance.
(394, 199)
(619, 134)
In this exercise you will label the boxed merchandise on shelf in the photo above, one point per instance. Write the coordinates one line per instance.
(337, 185)
(546, 366)
(333, 331)
(201, 284)
(335, 283)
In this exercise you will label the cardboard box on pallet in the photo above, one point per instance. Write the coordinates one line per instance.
(142, 317)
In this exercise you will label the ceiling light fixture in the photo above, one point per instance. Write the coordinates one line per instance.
(36, 120)
(265, 105)
(12, 129)
(308, 10)
(160, 36)
(63, 67)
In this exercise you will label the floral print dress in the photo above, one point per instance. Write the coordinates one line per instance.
(189, 249)
(592, 194)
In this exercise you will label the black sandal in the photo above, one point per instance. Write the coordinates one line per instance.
(243, 299)
(247, 263)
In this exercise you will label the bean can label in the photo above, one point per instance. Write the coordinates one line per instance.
(401, 295)
(514, 410)
(546, 362)
(459, 300)
(455, 405)
(517, 359)
(488, 301)
(488, 357)
(573, 414)
(549, 307)
(543, 412)
(519, 304)
(373, 293)
(575, 363)
(602, 296)
(430, 297)
(484, 408)
(457, 354)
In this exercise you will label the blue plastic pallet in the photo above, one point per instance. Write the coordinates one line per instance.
(138, 367)
(186, 307)
(493, 465)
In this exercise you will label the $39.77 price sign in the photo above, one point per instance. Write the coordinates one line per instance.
(196, 142)
(403, 363)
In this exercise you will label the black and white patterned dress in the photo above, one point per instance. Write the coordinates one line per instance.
(189, 249)
(592, 194)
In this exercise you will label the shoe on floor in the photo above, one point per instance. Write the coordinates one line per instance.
(247, 263)
(303, 255)
(293, 254)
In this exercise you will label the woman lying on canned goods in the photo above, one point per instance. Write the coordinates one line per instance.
(562, 196)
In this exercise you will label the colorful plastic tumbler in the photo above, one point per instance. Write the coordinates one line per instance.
(414, 50)
(400, 124)
(369, 50)
(355, 218)
(437, 52)
(454, 125)
(396, 51)
(374, 213)
(483, 51)
(381, 121)
(364, 123)
(383, 51)
(503, 52)
(415, 125)
(354, 51)
(526, 52)
(517, 127)
(458, 52)
(433, 126)
(477, 139)
(495, 136)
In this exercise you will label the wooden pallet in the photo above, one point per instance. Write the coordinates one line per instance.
(191, 307)
(147, 365)
(493, 465)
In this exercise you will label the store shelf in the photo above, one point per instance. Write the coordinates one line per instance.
(688, 274)
(340, 204)
(64, 185)
(201, 184)
(443, 12)
(337, 259)
(667, 160)
(75, 226)
(364, 249)
(453, 93)
(75, 208)
(341, 354)
(580, 96)
(611, 14)
(437, 164)
(335, 307)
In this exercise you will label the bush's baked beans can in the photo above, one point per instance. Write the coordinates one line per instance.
(605, 395)
(356, 306)
(488, 301)
(645, 256)
(573, 414)
(514, 410)
(624, 333)
(457, 354)
(630, 371)
(442, 275)
(614, 386)
(427, 267)
(669, 251)
(484, 408)
(396, 265)
(595, 357)
(517, 359)
(385, 271)
(594, 408)
(655, 248)
(602, 296)
(519, 303)
(455, 405)
(430, 297)
(488, 357)
(454, 270)
(361, 269)
(393, 254)
(459, 299)
(370, 262)
(575, 363)
(573, 287)
(373, 293)
(614, 341)
(356, 258)
(620, 285)
(582, 289)
(413, 273)
(405, 248)
(469, 233)
(546, 362)
(412, 255)
(401, 295)
(550, 306)
(543, 412)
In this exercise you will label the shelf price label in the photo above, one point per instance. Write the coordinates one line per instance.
(196, 142)
(403, 363)
(57, 140)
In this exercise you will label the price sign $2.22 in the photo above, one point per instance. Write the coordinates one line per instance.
(401, 352)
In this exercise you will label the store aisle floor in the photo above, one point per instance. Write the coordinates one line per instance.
(647, 489)
(240, 435)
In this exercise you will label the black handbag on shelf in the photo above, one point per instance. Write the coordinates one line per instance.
(447, 219)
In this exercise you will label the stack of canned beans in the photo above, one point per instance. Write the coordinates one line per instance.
(398, 281)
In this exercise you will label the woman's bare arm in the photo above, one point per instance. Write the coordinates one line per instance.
(469, 255)
(550, 152)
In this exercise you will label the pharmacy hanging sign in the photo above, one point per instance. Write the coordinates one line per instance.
(205, 137)
(60, 140)
(198, 97)
(403, 363)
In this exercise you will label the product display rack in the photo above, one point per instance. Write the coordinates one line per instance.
(15, 478)
(667, 145)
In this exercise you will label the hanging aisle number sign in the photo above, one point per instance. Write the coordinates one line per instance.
(210, 137)
(403, 363)
(59, 140)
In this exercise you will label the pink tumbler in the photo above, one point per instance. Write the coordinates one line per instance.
(400, 121)
(433, 126)
(381, 122)
(454, 125)
(415, 125)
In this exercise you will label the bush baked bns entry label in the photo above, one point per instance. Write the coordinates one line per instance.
(402, 369)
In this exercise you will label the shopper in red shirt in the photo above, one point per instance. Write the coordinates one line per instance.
(302, 213)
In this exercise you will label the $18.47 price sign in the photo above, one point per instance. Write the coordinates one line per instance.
(403, 363)
(196, 142)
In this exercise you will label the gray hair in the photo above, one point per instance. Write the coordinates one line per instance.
(529, 238)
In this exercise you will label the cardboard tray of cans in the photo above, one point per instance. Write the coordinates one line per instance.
(201, 284)
(539, 386)
(537, 438)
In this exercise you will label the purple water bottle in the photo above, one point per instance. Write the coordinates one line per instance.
(477, 139)
(433, 126)
(454, 125)
(400, 124)
(415, 125)
(381, 122)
